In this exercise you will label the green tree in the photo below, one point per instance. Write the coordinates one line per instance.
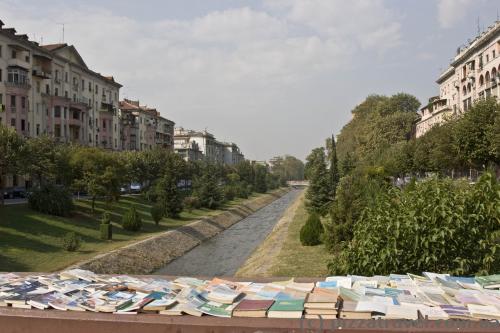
(260, 180)
(207, 188)
(12, 150)
(333, 169)
(168, 194)
(99, 173)
(318, 193)
(311, 231)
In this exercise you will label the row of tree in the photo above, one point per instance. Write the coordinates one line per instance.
(377, 146)
(166, 178)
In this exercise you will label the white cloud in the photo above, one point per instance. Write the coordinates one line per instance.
(451, 12)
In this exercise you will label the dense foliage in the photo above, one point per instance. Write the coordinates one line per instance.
(435, 225)
(132, 221)
(319, 193)
(50, 199)
(71, 242)
(287, 168)
(311, 231)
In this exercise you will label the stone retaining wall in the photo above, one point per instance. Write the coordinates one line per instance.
(148, 255)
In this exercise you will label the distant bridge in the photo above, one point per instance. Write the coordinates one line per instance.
(298, 183)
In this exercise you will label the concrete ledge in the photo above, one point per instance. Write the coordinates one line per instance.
(152, 253)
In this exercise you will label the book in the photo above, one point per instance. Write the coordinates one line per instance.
(349, 294)
(432, 313)
(321, 301)
(489, 281)
(160, 304)
(286, 309)
(488, 312)
(320, 316)
(216, 309)
(342, 281)
(456, 312)
(401, 312)
(175, 310)
(42, 301)
(301, 287)
(348, 311)
(223, 294)
(321, 311)
(252, 308)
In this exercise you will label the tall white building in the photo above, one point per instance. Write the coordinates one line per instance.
(473, 74)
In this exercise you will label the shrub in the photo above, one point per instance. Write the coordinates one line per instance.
(229, 192)
(50, 199)
(310, 233)
(105, 228)
(157, 213)
(131, 220)
(438, 226)
(191, 202)
(71, 242)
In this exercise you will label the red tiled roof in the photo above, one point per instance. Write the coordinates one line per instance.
(52, 47)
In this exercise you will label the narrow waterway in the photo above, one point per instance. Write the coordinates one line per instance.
(223, 254)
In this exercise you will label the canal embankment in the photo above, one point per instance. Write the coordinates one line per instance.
(223, 254)
(151, 254)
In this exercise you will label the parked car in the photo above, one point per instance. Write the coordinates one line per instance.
(19, 192)
(135, 188)
(8, 193)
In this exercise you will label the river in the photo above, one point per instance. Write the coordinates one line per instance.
(223, 254)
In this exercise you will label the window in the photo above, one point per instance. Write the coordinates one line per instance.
(12, 100)
(1, 98)
(47, 89)
(57, 75)
(104, 123)
(56, 92)
(66, 77)
(38, 86)
(17, 75)
(1, 75)
(83, 85)
(37, 129)
(66, 93)
(96, 89)
(14, 54)
(65, 113)
(23, 102)
(487, 57)
(90, 86)
(27, 58)
(23, 124)
(57, 112)
(0, 51)
(13, 122)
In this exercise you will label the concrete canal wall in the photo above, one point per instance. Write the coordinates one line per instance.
(148, 255)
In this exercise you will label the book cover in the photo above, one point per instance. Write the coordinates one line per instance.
(254, 305)
(288, 305)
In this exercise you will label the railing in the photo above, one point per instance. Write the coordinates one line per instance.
(24, 85)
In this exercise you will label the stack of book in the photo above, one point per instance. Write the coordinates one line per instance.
(430, 296)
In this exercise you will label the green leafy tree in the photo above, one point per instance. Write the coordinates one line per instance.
(333, 169)
(260, 180)
(97, 172)
(318, 193)
(207, 187)
(157, 213)
(168, 194)
(131, 220)
(12, 152)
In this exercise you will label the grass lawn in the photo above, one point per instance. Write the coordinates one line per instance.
(31, 241)
(297, 260)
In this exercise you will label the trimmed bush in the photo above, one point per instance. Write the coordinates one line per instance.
(191, 202)
(229, 192)
(157, 213)
(105, 227)
(71, 242)
(50, 199)
(131, 221)
(310, 233)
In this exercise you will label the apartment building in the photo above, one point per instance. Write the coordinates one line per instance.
(143, 127)
(473, 74)
(202, 145)
(49, 89)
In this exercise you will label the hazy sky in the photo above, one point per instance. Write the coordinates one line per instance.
(276, 77)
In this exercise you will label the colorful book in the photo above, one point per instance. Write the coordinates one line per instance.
(252, 308)
(286, 309)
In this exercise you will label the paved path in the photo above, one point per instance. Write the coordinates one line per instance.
(223, 254)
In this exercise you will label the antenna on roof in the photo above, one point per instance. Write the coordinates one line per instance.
(478, 27)
(62, 24)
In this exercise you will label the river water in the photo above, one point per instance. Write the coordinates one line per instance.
(223, 254)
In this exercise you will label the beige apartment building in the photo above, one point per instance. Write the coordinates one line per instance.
(202, 145)
(473, 74)
(50, 90)
(143, 127)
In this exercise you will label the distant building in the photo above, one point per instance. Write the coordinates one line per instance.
(202, 145)
(473, 74)
(143, 127)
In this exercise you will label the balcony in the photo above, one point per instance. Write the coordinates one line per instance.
(15, 62)
(18, 84)
(37, 71)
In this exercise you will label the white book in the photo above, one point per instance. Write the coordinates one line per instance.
(370, 306)
(401, 312)
(484, 311)
(342, 281)
(433, 313)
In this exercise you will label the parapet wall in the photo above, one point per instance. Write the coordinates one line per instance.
(148, 255)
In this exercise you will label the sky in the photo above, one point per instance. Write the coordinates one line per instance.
(277, 76)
